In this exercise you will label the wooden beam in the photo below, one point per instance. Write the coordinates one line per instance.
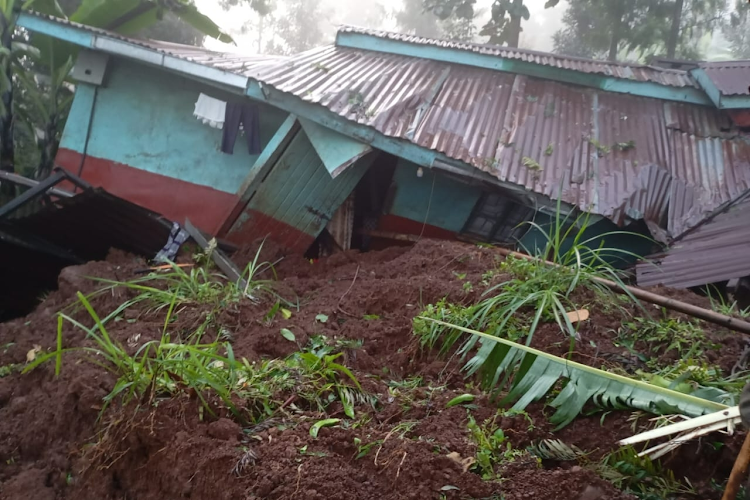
(227, 266)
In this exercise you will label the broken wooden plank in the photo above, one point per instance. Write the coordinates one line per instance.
(231, 271)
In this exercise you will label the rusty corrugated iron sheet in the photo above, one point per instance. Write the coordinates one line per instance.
(91, 223)
(730, 77)
(227, 61)
(636, 72)
(72, 231)
(716, 251)
(620, 156)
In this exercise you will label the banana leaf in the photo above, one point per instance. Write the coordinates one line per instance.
(534, 373)
(127, 17)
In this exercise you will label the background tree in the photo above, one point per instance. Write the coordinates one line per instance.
(296, 27)
(640, 28)
(417, 19)
(691, 22)
(737, 30)
(414, 19)
(504, 26)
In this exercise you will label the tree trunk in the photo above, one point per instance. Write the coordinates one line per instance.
(616, 25)
(6, 120)
(48, 148)
(514, 31)
(674, 33)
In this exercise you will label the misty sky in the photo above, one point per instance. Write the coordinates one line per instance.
(537, 31)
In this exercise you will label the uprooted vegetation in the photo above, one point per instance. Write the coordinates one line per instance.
(333, 381)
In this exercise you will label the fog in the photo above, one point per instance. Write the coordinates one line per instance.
(374, 14)
(704, 27)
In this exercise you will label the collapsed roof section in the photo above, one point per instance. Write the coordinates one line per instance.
(717, 250)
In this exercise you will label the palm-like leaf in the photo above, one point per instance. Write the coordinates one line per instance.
(534, 373)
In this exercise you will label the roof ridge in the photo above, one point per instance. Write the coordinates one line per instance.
(423, 40)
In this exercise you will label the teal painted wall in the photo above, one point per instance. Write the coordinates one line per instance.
(630, 242)
(74, 134)
(452, 200)
(143, 118)
(297, 198)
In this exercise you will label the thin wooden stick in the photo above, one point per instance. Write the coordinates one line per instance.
(675, 305)
(739, 471)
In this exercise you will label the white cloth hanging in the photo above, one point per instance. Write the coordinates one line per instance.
(210, 111)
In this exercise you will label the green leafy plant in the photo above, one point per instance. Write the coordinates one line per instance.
(540, 288)
(463, 399)
(493, 447)
(167, 367)
(327, 380)
(625, 146)
(640, 476)
(158, 367)
(364, 449)
(275, 310)
(197, 285)
(601, 149)
(529, 374)
(531, 164)
(700, 379)
(6, 370)
(315, 428)
(554, 449)
(722, 306)
(659, 337)
(288, 334)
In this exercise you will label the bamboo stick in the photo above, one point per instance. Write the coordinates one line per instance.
(675, 305)
(739, 471)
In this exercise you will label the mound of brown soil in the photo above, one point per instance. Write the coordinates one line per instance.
(52, 445)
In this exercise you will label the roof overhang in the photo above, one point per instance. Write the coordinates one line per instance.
(720, 100)
(92, 40)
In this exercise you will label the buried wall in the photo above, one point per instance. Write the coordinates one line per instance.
(136, 136)
(437, 205)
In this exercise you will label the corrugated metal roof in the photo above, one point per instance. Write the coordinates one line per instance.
(715, 251)
(730, 77)
(90, 223)
(227, 61)
(674, 160)
(636, 72)
(74, 230)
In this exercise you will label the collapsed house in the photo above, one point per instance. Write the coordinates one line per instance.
(386, 134)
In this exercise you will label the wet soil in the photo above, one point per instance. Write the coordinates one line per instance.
(53, 444)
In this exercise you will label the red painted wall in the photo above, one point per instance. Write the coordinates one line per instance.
(254, 225)
(206, 207)
(397, 224)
